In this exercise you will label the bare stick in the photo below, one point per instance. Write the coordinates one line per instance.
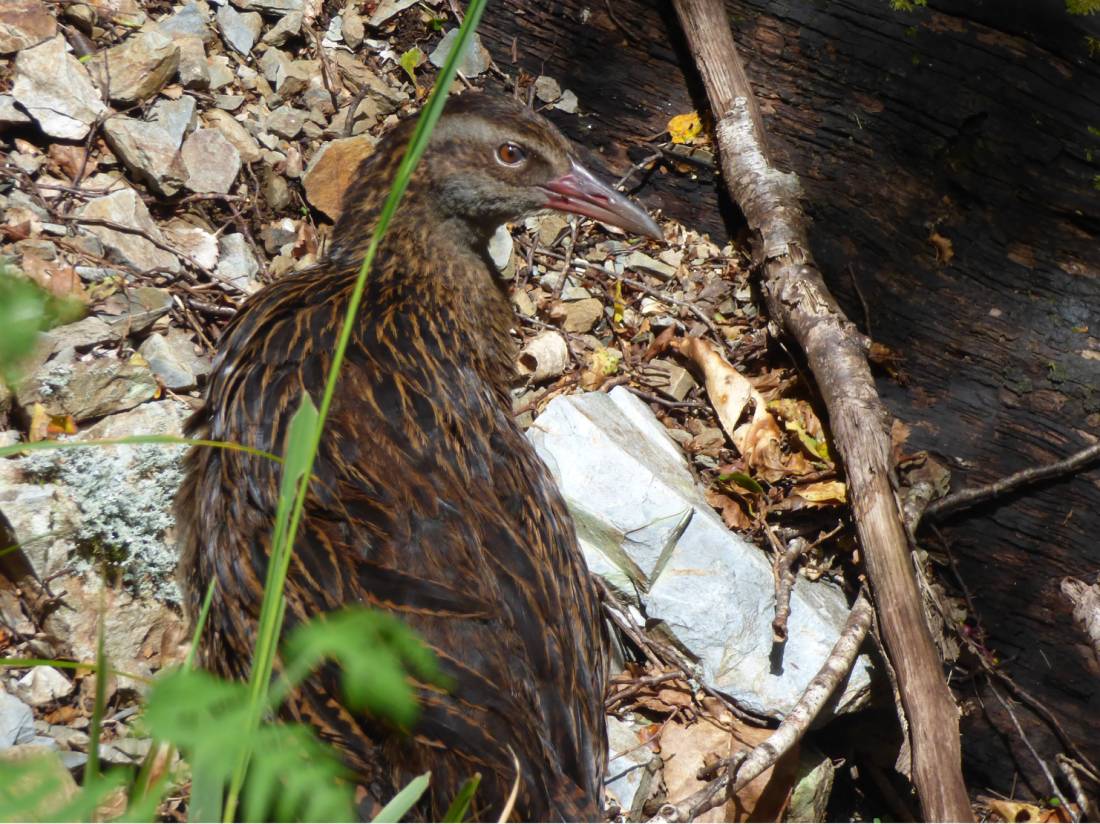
(1069, 769)
(1054, 788)
(966, 498)
(835, 352)
(744, 767)
(1086, 608)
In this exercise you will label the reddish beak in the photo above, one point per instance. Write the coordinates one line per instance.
(579, 191)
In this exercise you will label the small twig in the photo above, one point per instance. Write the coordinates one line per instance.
(627, 33)
(211, 309)
(1069, 769)
(648, 398)
(637, 167)
(967, 498)
(862, 301)
(785, 576)
(1054, 788)
(746, 767)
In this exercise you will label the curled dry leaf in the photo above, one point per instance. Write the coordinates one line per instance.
(760, 440)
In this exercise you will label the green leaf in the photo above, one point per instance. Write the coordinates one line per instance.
(25, 310)
(401, 803)
(460, 806)
(742, 480)
(410, 60)
(375, 650)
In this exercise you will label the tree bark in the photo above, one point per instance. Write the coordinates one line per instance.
(797, 296)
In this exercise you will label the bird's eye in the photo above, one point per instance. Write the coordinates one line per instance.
(510, 154)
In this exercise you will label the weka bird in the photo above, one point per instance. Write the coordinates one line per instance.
(428, 502)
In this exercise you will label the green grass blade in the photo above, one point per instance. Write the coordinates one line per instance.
(298, 461)
(460, 806)
(131, 440)
(273, 605)
(200, 624)
(91, 770)
(401, 803)
(91, 666)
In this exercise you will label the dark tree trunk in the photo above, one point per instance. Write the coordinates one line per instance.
(968, 120)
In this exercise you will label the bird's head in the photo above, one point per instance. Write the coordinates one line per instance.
(492, 160)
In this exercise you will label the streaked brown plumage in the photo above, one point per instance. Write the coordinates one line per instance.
(428, 501)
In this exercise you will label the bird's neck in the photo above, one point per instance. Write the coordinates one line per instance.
(434, 293)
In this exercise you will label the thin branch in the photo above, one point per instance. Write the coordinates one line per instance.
(967, 498)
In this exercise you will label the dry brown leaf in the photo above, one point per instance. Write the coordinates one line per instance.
(823, 493)
(760, 441)
(945, 249)
(1018, 811)
(686, 748)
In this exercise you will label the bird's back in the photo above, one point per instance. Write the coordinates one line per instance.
(427, 503)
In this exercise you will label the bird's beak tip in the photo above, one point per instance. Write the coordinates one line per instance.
(581, 192)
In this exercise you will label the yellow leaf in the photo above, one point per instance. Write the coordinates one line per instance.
(684, 128)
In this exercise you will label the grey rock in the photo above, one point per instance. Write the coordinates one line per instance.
(547, 89)
(56, 91)
(187, 21)
(567, 102)
(42, 685)
(239, 30)
(352, 27)
(174, 117)
(88, 388)
(16, 721)
(627, 759)
(289, 26)
(639, 260)
(276, 6)
(474, 60)
(194, 70)
(189, 354)
(285, 121)
(83, 334)
(73, 760)
(135, 310)
(148, 151)
(210, 161)
(36, 509)
(197, 243)
(9, 114)
(219, 71)
(126, 208)
(276, 191)
(66, 737)
(126, 750)
(237, 266)
(669, 378)
(229, 102)
(235, 133)
(387, 9)
(23, 24)
(137, 68)
(279, 233)
(166, 364)
(648, 530)
(580, 315)
(116, 500)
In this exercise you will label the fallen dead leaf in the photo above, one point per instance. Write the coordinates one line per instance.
(685, 128)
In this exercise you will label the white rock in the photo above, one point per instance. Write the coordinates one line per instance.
(56, 90)
(237, 265)
(648, 530)
(16, 721)
(200, 245)
(43, 685)
(474, 60)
